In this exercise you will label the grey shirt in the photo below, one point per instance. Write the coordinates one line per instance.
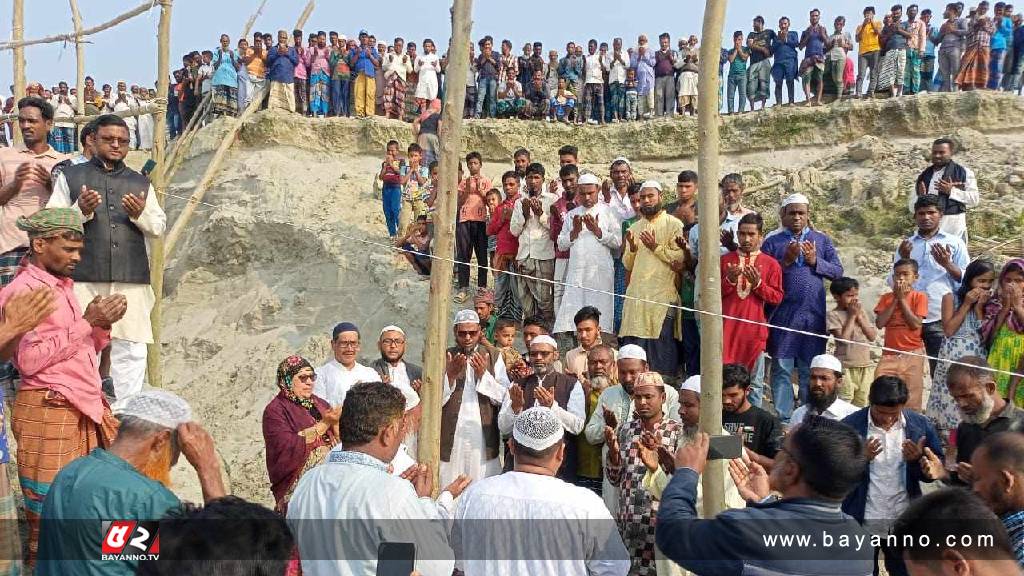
(956, 39)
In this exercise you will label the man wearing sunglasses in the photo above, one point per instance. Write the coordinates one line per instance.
(121, 217)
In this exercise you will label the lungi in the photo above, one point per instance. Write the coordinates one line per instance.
(10, 541)
(394, 95)
(301, 89)
(319, 94)
(225, 100)
(893, 69)
(974, 68)
(62, 139)
(282, 96)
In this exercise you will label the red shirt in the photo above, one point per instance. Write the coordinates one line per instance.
(508, 244)
(558, 211)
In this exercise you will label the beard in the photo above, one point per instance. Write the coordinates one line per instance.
(600, 382)
(651, 210)
(821, 403)
(983, 413)
(159, 467)
(541, 369)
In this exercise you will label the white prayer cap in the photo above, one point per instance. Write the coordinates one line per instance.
(412, 399)
(544, 339)
(157, 406)
(537, 428)
(466, 317)
(632, 351)
(650, 379)
(692, 384)
(392, 328)
(652, 184)
(827, 361)
(588, 178)
(622, 159)
(795, 199)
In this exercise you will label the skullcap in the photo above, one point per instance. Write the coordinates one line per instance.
(466, 317)
(157, 406)
(651, 379)
(344, 327)
(651, 184)
(544, 339)
(632, 351)
(484, 296)
(392, 328)
(795, 199)
(622, 159)
(692, 384)
(537, 428)
(588, 178)
(827, 361)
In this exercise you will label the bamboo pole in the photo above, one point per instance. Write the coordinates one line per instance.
(438, 324)
(252, 20)
(709, 267)
(305, 15)
(159, 180)
(19, 42)
(76, 18)
(141, 110)
(171, 240)
(18, 33)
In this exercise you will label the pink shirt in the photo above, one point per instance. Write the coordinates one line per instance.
(303, 65)
(60, 354)
(918, 35)
(30, 199)
(317, 60)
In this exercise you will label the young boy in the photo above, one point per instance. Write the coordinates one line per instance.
(631, 95)
(471, 230)
(849, 321)
(588, 334)
(483, 303)
(504, 341)
(416, 241)
(562, 103)
(414, 183)
(901, 312)
(391, 191)
(750, 280)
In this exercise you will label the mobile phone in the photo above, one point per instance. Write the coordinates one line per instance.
(148, 167)
(396, 558)
(725, 447)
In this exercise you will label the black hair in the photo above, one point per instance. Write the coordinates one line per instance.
(110, 120)
(587, 313)
(432, 165)
(842, 285)
(947, 142)
(45, 108)
(370, 407)
(521, 152)
(634, 189)
(391, 143)
(296, 32)
(664, 35)
(207, 52)
(568, 170)
(759, 18)
(869, 9)
(1005, 450)
(414, 147)
(906, 262)
(86, 131)
(687, 176)
(888, 391)
(952, 518)
(474, 156)
(569, 150)
(538, 322)
(504, 323)
(752, 218)
(737, 34)
(228, 537)
(830, 455)
(896, 7)
(735, 375)
(510, 174)
(973, 270)
(926, 12)
(535, 168)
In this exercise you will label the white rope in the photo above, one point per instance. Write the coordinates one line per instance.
(625, 296)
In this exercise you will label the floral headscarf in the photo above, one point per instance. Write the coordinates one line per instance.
(286, 371)
(992, 309)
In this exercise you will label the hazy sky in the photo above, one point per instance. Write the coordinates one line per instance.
(128, 51)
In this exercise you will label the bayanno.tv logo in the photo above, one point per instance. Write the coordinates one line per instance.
(130, 540)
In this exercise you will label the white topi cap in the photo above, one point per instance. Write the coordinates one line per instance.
(795, 199)
(466, 317)
(544, 339)
(652, 184)
(392, 328)
(827, 361)
(537, 428)
(588, 178)
(157, 406)
(632, 351)
(692, 384)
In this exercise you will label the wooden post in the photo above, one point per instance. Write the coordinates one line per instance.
(76, 18)
(438, 315)
(305, 15)
(709, 269)
(159, 179)
(18, 40)
(18, 34)
(252, 20)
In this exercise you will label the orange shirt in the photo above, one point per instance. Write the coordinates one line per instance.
(897, 334)
(473, 209)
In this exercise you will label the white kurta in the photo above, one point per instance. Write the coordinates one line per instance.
(128, 103)
(953, 224)
(427, 66)
(591, 265)
(373, 507)
(573, 416)
(145, 130)
(333, 381)
(549, 526)
(468, 454)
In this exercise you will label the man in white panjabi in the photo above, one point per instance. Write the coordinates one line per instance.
(475, 386)
(342, 372)
(592, 234)
(343, 509)
(527, 521)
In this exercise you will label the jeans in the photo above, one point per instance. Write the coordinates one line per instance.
(340, 93)
(759, 84)
(757, 381)
(632, 104)
(866, 61)
(995, 68)
(931, 333)
(665, 96)
(174, 126)
(486, 91)
(617, 93)
(928, 73)
(470, 238)
(949, 65)
(737, 86)
(782, 387)
(391, 196)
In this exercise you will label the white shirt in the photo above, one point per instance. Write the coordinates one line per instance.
(468, 454)
(837, 411)
(621, 204)
(933, 279)
(539, 521)
(375, 506)
(534, 234)
(63, 110)
(887, 486)
(333, 381)
(400, 64)
(594, 67)
(617, 69)
(953, 224)
(573, 416)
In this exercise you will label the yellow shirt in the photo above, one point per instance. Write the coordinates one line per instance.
(651, 276)
(256, 67)
(868, 37)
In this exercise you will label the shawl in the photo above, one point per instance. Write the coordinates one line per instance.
(994, 306)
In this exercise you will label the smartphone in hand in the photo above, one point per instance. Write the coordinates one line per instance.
(396, 558)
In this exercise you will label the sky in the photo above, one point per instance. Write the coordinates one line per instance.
(128, 51)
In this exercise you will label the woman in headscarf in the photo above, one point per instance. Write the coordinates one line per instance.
(1003, 329)
(299, 429)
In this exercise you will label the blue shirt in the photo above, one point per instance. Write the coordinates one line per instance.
(785, 48)
(1014, 523)
(93, 488)
(224, 73)
(933, 279)
(281, 67)
(931, 32)
(1003, 33)
(363, 64)
(815, 38)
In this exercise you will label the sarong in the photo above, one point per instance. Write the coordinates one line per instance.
(51, 433)
(319, 94)
(301, 88)
(412, 109)
(10, 541)
(225, 100)
(974, 68)
(394, 96)
(62, 139)
(890, 69)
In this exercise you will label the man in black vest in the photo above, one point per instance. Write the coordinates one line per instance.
(954, 184)
(552, 389)
(402, 375)
(121, 215)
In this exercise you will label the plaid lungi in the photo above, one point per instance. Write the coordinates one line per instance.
(974, 68)
(10, 540)
(394, 95)
(225, 100)
(62, 139)
(51, 433)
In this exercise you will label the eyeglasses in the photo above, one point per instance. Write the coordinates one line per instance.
(306, 377)
(113, 140)
(393, 341)
(346, 344)
(462, 333)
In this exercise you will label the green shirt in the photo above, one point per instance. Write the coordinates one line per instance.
(97, 487)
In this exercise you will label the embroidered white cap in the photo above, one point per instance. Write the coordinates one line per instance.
(537, 428)
(588, 178)
(392, 328)
(692, 384)
(652, 184)
(544, 339)
(632, 351)
(157, 406)
(466, 317)
(795, 199)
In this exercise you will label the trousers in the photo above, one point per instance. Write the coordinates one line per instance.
(867, 66)
(665, 96)
(365, 95)
(949, 65)
(535, 294)
(471, 238)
